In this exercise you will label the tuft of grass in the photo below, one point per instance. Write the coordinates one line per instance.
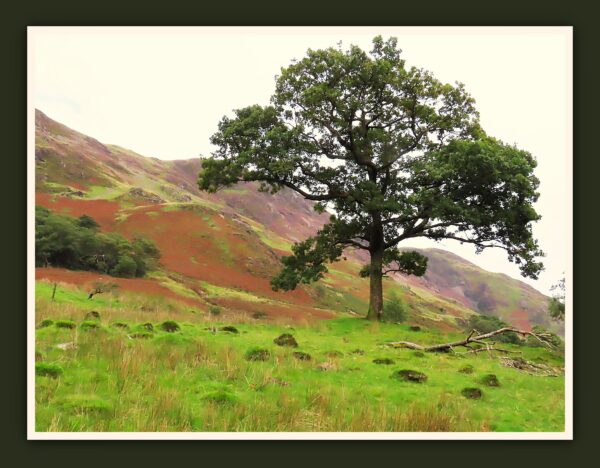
(89, 325)
(258, 354)
(220, 397)
(45, 369)
(45, 323)
(170, 326)
(64, 324)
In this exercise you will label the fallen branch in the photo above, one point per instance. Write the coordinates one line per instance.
(474, 337)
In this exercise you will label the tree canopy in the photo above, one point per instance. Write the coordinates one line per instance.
(77, 243)
(391, 152)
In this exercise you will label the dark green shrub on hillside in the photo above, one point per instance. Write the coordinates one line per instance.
(553, 339)
(77, 243)
(125, 268)
(170, 326)
(214, 310)
(394, 310)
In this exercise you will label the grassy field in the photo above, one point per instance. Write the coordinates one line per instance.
(112, 374)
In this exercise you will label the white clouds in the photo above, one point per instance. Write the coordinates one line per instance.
(161, 93)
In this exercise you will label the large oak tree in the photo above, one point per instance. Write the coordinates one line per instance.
(394, 153)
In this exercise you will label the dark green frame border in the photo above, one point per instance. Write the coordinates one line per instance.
(306, 12)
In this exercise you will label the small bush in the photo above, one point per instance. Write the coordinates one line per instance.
(170, 326)
(44, 369)
(488, 323)
(258, 354)
(45, 323)
(214, 310)
(490, 380)
(146, 327)
(229, 329)
(394, 310)
(414, 328)
(64, 324)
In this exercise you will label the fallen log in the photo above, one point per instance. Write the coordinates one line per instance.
(474, 337)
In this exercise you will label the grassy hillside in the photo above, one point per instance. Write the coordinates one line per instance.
(111, 373)
(222, 249)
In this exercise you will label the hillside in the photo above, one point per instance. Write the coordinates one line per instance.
(221, 249)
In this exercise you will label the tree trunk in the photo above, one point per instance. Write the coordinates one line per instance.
(376, 287)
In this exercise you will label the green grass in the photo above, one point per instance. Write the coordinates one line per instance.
(200, 380)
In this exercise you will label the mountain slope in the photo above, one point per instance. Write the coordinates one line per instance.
(221, 249)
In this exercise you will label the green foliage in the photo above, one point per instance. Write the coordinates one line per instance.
(488, 323)
(220, 397)
(77, 243)
(45, 323)
(214, 310)
(88, 222)
(553, 339)
(410, 159)
(394, 310)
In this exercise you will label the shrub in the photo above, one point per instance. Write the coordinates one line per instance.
(490, 380)
(125, 268)
(394, 310)
(64, 324)
(553, 339)
(214, 310)
(468, 369)
(45, 369)
(286, 340)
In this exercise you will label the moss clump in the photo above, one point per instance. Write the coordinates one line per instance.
(258, 354)
(491, 380)
(45, 323)
(407, 375)
(121, 325)
(383, 361)
(89, 325)
(468, 369)
(64, 324)
(146, 327)
(44, 369)
(170, 326)
(286, 340)
(229, 329)
(414, 328)
(302, 356)
(472, 393)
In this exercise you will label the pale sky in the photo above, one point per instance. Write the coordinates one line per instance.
(162, 91)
